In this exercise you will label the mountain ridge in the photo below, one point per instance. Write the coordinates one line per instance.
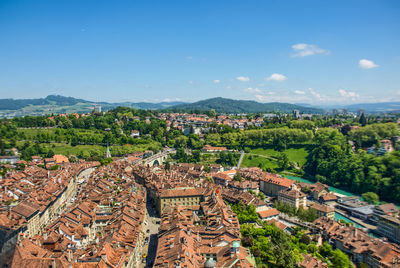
(62, 104)
(231, 106)
(16, 104)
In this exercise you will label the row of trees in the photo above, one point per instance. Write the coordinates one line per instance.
(308, 215)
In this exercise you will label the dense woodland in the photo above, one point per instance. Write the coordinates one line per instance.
(332, 159)
(273, 247)
(223, 105)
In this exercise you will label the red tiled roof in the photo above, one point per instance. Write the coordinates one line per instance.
(268, 213)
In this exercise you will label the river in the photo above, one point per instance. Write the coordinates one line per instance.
(331, 188)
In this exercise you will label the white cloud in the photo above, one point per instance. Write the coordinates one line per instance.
(243, 78)
(340, 96)
(216, 81)
(252, 90)
(315, 94)
(171, 99)
(190, 82)
(189, 57)
(367, 64)
(348, 94)
(303, 50)
(261, 98)
(277, 77)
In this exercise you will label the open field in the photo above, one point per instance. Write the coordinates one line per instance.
(258, 161)
(31, 133)
(96, 150)
(298, 155)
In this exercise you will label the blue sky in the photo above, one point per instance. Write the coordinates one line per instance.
(318, 52)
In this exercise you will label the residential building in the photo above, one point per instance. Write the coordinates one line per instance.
(389, 226)
(271, 184)
(328, 199)
(388, 209)
(135, 133)
(312, 262)
(293, 197)
(6, 159)
(358, 244)
(318, 189)
(324, 210)
(179, 197)
(211, 149)
(268, 214)
(215, 168)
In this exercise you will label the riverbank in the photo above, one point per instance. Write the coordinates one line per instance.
(338, 191)
(341, 215)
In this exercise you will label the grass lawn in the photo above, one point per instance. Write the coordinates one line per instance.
(31, 133)
(298, 155)
(255, 161)
(67, 149)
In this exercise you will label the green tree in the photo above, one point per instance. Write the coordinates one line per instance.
(196, 156)
(50, 153)
(363, 120)
(283, 161)
(370, 198)
(167, 165)
(237, 177)
(339, 259)
(212, 113)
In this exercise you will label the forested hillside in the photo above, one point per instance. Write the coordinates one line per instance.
(229, 106)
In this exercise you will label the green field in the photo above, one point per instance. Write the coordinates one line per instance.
(298, 155)
(86, 151)
(67, 149)
(31, 133)
(258, 161)
(266, 158)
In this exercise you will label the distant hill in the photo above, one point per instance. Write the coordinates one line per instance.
(222, 105)
(59, 104)
(378, 107)
(15, 104)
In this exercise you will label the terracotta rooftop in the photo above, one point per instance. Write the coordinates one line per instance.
(268, 213)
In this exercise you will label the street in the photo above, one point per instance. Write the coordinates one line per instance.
(151, 240)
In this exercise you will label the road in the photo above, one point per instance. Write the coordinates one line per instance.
(240, 159)
(150, 248)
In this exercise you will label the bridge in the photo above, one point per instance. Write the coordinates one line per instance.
(157, 159)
